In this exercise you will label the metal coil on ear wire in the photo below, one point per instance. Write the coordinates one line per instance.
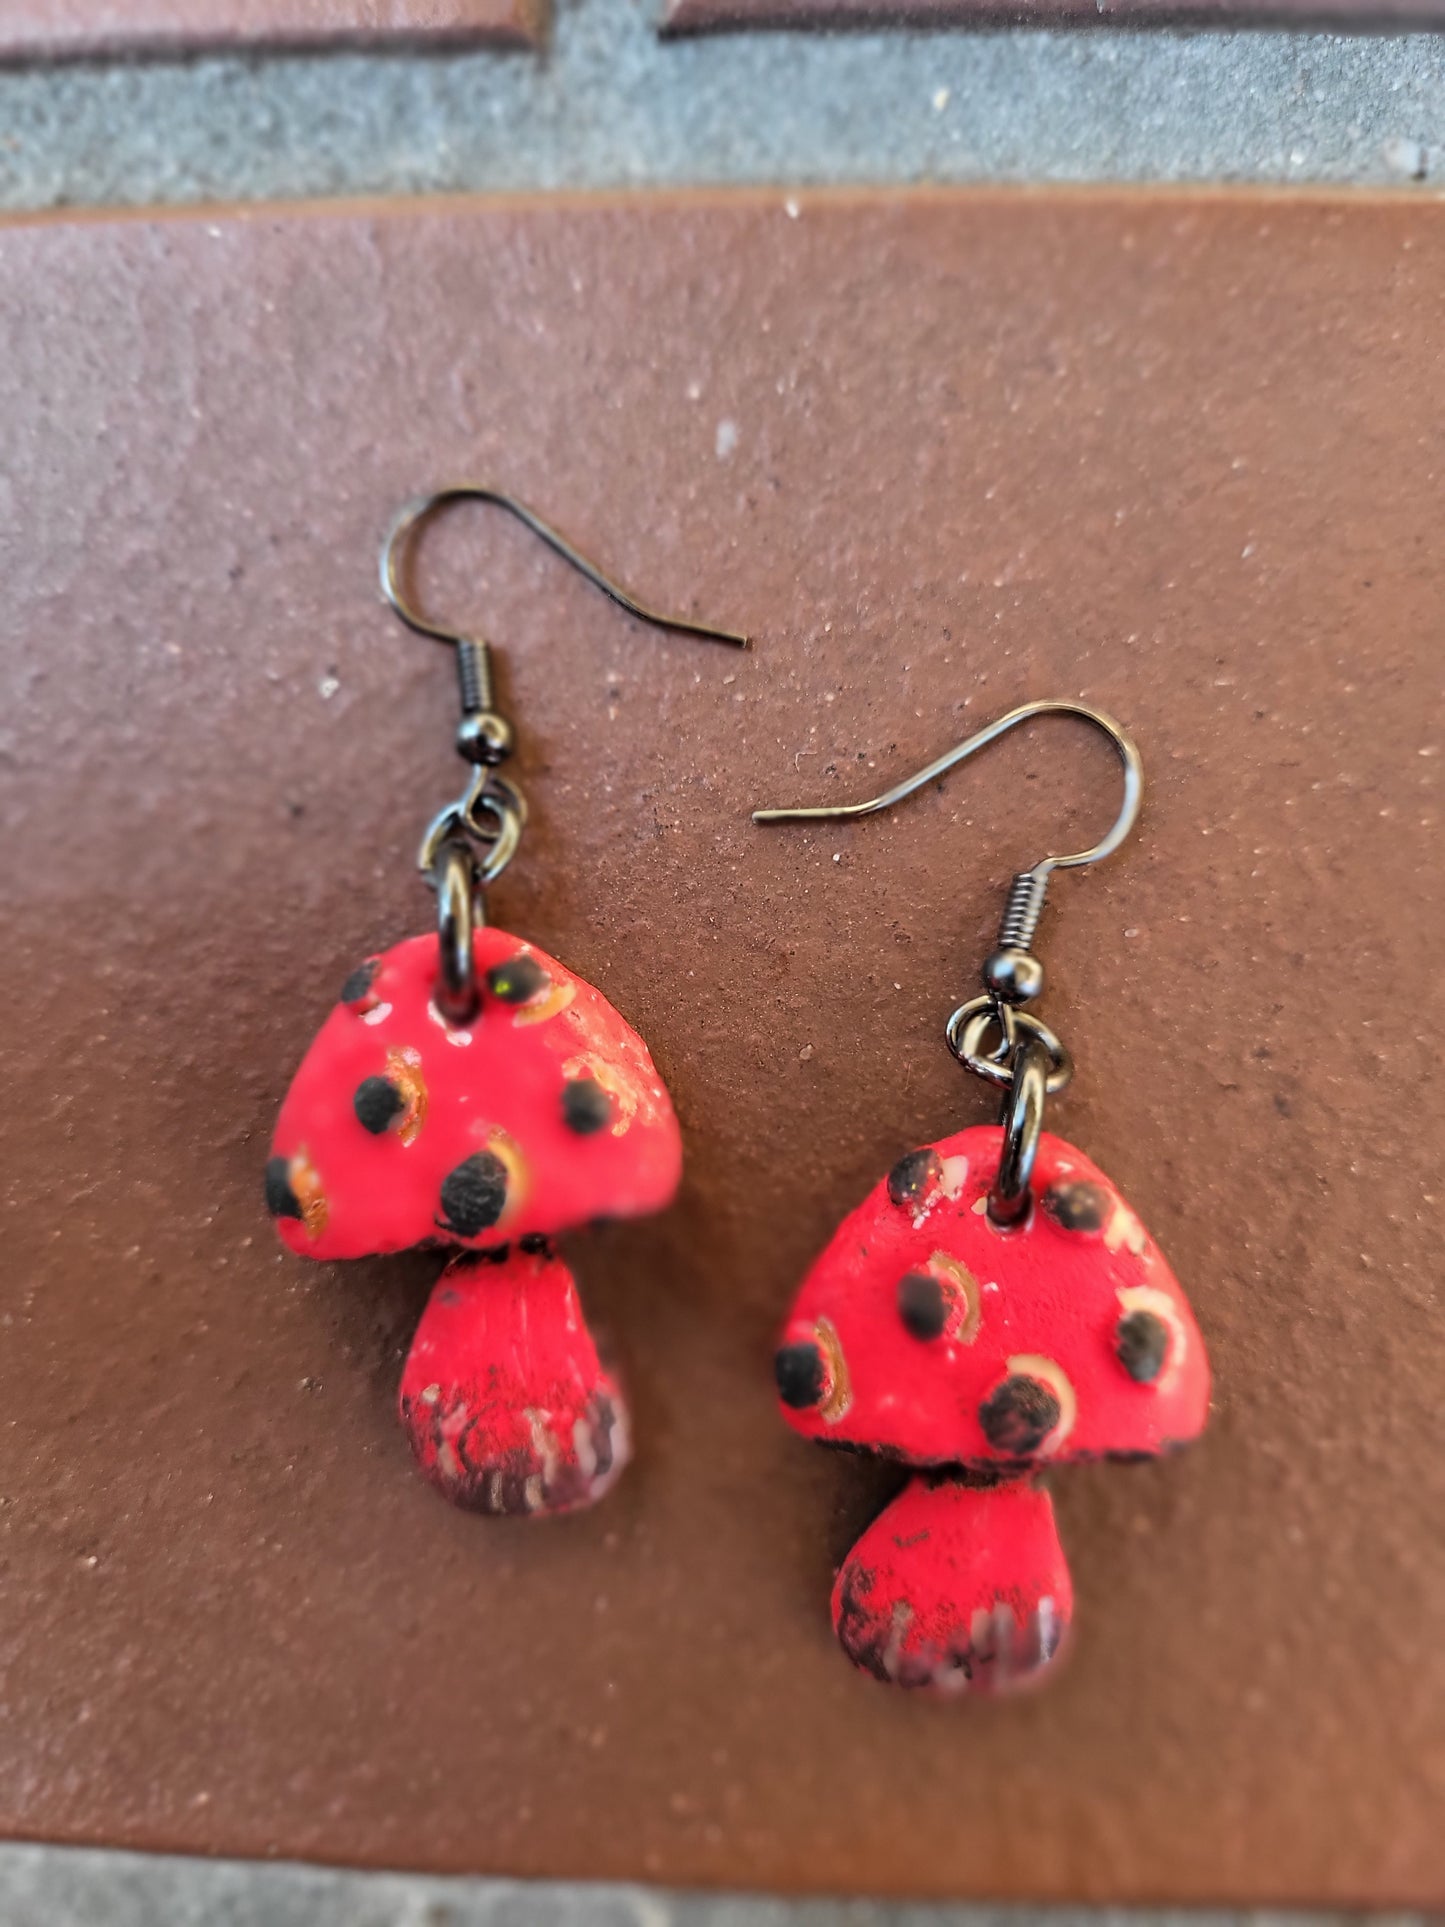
(474, 675)
(1022, 911)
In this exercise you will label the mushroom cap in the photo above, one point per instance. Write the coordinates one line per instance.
(545, 1112)
(928, 1335)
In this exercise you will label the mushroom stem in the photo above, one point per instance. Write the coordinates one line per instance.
(503, 1397)
(956, 1588)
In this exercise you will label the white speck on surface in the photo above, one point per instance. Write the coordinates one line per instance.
(727, 438)
(940, 99)
(461, 1038)
(1408, 157)
(328, 686)
(791, 208)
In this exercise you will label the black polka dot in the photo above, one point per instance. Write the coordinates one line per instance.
(516, 980)
(799, 1372)
(1141, 1340)
(1081, 1206)
(913, 1177)
(1019, 1416)
(377, 1104)
(474, 1195)
(357, 987)
(281, 1200)
(535, 1245)
(586, 1107)
(922, 1304)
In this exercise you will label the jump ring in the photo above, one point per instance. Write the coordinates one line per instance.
(456, 883)
(504, 804)
(1023, 1121)
(493, 812)
(968, 1026)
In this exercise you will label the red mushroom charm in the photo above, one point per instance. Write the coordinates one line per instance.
(981, 1356)
(992, 1308)
(542, 1113)
(469, 1092)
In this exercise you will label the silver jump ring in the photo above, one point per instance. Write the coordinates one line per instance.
(505, 809)
(967, 1028)
(456, 882)
(1023, 1121)
(493, 812)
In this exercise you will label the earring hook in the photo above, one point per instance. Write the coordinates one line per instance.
(468, 844)
(1118, 736)
(1028, 1062)
(413, 514)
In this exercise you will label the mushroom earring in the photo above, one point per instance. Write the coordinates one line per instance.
(991, 1309)
(469, 1091)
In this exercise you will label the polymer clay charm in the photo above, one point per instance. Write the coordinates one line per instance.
(992, 1309)
(541, 1113)
(982, 1357)
(468, 1091)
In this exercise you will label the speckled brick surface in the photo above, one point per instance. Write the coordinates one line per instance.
(610, 105)
(40, 29)
(936, 453)
(1363, 16)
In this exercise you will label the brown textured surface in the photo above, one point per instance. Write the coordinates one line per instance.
(705, 16)
(37, 29)
(1180, 455)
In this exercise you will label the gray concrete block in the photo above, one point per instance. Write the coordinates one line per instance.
(610, 105)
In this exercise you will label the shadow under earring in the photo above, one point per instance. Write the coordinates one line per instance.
(470, 1091)
(991, 1309)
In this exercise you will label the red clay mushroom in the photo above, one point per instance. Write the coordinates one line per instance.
(928, 1335)
(542, 1114)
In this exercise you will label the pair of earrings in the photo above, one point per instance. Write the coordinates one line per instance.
(991, 1309)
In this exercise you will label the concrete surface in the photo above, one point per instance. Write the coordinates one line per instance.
(610, 104)
(39, 1888)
